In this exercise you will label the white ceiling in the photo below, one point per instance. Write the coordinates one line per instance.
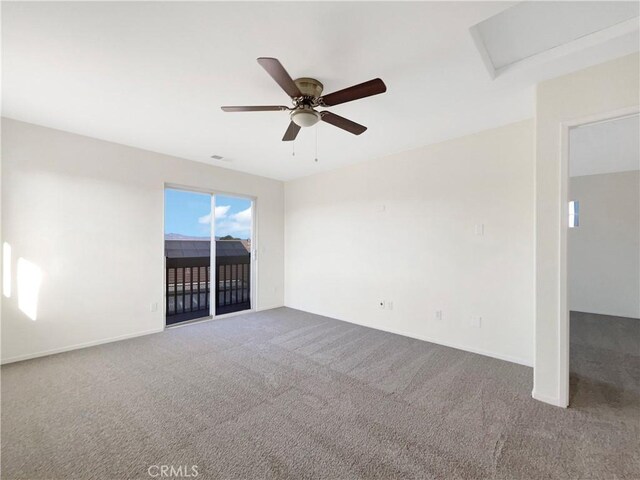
(153, 75)
(605, 147)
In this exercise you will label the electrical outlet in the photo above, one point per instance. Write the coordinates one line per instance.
(480, 229)
(476, 322)
(439, 315)
(153, 307)
(382, 304)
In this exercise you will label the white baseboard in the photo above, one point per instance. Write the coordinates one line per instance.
(44, 353)
(555, 401)
(424, 338)
(465, 348)
(272, 307)
(593, 311)
(78, 346)
(499, 356)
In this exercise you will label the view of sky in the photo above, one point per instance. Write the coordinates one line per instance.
(189, 213)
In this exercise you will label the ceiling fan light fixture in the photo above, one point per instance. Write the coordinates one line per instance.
(305, 117)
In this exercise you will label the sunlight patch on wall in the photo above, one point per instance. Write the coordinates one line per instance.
(29, 280)
(6, 270)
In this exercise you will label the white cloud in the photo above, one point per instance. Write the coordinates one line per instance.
(243, 217)
(220, 213)
(237, 223)
(234, 224)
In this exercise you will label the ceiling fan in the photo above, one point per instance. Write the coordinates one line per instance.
(306, 95)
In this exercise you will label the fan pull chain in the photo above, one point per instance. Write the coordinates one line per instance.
(316, 159)
(293, 145)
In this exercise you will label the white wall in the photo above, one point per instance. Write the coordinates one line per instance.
(604, 251)
(597, 90)
(89, 214)
(403, 229)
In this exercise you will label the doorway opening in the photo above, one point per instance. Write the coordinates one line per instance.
(195, 287)
(603, 258)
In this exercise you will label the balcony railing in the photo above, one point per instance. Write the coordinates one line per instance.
(233, 286)
(188, 286)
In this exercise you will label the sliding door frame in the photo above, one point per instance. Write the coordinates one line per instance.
(253, 267)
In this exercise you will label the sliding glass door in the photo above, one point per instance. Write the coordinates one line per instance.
(233, 227)
(187, 250)
(193, 289)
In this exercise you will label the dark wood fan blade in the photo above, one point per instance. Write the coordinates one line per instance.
(265, 108)
(343, 123)
(291, 133)
(280, 75)
(366, 89)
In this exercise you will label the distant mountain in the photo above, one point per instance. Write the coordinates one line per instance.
(179, 236)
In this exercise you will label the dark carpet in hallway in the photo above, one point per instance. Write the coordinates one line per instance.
(290, 395)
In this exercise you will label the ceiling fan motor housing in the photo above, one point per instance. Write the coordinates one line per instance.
(309, 87)
(304, 115)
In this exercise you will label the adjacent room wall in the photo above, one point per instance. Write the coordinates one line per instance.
(89, 215)
(448, 227)
(598, 90)
(604, 251)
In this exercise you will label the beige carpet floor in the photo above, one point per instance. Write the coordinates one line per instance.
(290, 395)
